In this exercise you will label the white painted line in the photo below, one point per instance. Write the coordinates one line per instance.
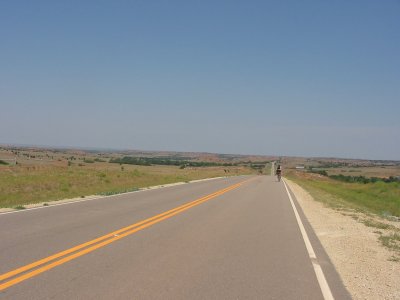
(101, 197)
(323, 284)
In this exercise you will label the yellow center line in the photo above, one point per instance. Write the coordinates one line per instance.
(101, 241)
(86, 244)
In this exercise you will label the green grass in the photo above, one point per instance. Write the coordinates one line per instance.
(391, 241)
(28, 185)
(371, 198)
(376, 224)
(378, 198)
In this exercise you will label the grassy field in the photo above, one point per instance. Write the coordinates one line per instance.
(366, 203)
(21, 185)
(378, 198)
(382, 171)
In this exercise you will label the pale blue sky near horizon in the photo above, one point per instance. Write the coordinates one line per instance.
(295, 78)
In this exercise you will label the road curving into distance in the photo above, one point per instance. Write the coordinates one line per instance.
(238, 237)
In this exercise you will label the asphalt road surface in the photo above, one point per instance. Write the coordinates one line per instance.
(229, 238)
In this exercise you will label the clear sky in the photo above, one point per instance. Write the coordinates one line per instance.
(304, 78)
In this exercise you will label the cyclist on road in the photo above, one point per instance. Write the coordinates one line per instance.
(279, 172)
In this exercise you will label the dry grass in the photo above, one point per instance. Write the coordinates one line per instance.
(20, 185)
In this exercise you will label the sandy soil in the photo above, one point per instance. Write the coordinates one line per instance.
(362, 262)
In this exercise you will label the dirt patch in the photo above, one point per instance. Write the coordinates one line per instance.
(368, 269)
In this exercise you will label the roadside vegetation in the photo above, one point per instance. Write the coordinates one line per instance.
(21, 185)
(356, 179)
(380, 197)
(165, 161)
(37, 175)
(182, 162)
(375, 202)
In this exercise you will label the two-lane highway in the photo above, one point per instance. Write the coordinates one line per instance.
(230, 238)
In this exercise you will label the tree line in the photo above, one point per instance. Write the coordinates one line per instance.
(148, 161)
(356, 179)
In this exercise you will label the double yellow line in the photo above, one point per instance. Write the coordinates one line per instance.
(28, 271)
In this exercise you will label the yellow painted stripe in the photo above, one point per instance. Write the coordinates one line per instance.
(100, 242)
(86, 244)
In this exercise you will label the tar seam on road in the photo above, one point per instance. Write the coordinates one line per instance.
(323, 284)
(45, 264)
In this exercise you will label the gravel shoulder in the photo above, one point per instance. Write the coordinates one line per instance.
(368, 269)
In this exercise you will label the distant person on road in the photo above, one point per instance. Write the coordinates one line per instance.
(279, 172)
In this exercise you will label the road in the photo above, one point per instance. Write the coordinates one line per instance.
(228, 238)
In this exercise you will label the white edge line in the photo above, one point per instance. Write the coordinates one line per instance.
(102, 197)
(323, 284)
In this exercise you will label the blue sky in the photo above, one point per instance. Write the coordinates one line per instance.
(303, 78)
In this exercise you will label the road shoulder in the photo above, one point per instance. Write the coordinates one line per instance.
(354, 249)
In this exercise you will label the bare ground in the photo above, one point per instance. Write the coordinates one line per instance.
(368, 269)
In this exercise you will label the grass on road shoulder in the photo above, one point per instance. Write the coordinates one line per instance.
(379, 198)
(369, 203)
(28, 185)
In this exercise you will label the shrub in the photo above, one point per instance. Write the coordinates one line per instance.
(148, 161)
(320, 172)
(363, 179)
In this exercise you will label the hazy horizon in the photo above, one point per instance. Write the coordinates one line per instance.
(306, 79)
(100, 149)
